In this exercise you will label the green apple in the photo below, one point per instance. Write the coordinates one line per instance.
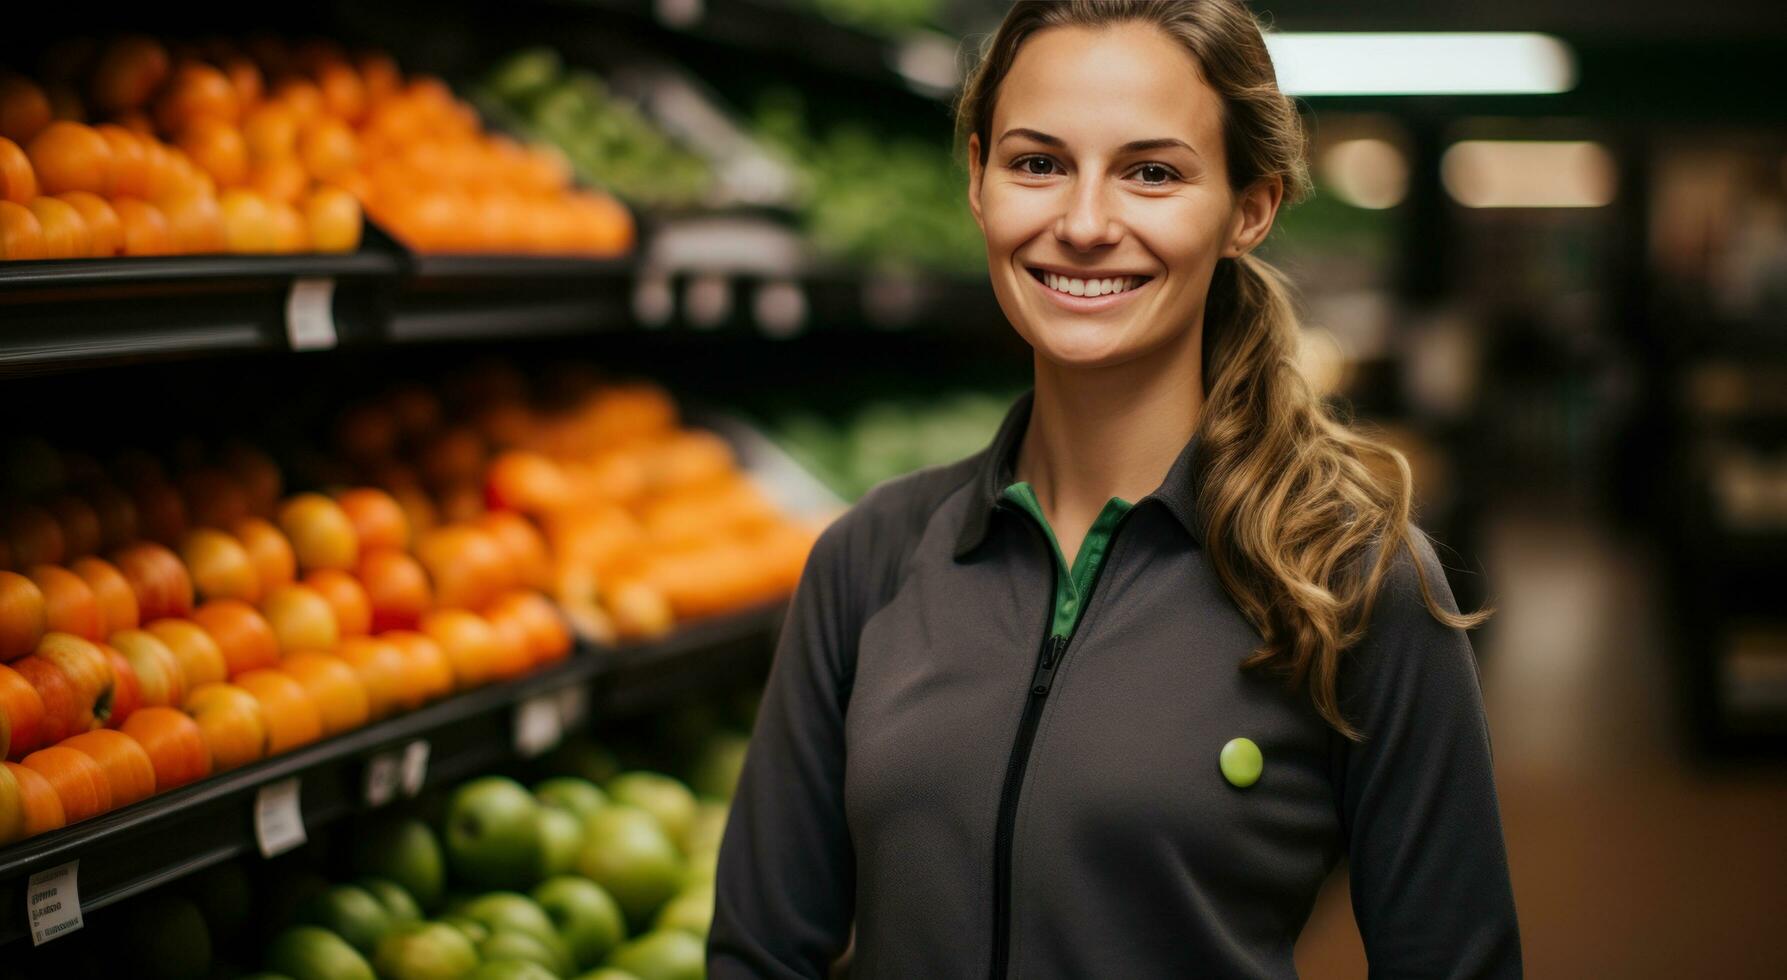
(561, 837)
(673, 955)
(707, 829)
(626, 851)
(511, 970)
(607, 973)
(493, 833)
(511, 944)
(692, 910)
(722, 758)
(586, 917)
(315, 953)
(351, 913)
(425, 951)
(400, 903)
(508, 911)
(474, 930)
(579, 796)
(666, 799)
(407, 852)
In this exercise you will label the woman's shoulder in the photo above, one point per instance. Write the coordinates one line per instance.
(1403, 638)
(868, 544)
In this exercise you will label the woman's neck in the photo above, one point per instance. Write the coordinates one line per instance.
(1097, 433)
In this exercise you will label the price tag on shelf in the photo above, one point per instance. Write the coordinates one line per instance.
(415, 767)
(539, 724)
(53, 902)
(573, 706)
(310, 314)
(278, 821)
(383, 773)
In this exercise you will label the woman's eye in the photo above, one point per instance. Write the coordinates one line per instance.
(1036, 166)
(1154, 173)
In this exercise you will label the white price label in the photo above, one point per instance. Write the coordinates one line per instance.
(538, 725)
(383, 771)
(415, 767)
(573, 706)
(310, 314)
(53, 902)
(278, 821)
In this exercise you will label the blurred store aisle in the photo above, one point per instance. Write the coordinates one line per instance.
(1630, 858)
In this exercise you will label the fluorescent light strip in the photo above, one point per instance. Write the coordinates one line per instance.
(1479, 63)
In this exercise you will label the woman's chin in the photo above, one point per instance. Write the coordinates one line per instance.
(1084, 345)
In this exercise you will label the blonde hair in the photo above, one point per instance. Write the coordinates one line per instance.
(1292, 499)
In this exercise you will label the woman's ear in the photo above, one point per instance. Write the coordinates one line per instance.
(974, 174)
(1255, 210)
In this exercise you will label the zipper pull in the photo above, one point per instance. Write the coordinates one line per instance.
(1045, 667)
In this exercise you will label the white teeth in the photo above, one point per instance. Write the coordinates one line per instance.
(1090, 287)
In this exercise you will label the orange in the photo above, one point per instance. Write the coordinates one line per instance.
(200, 658)
(292, 717)
(174, 743)
(232, 723)
(161, 583)
(33, 533)
(281, 179)
(130, 160)
(23, 706)
(303, 98)
(117, 603)
(522, 542)
(271, 130)
(247, 221)
(274, 563)
(80, 524)
(65, 234)
(195, 224)
(18, 182)
(103, 226)
(65, 104)
(548, 637)
(146, 230)
(213, 496)
(71, 156)
(156, 670)
(79, 782)
(326, 146)
(87, 669)
(21, 234)
(396, 588)
(43, 808)
(332, 216)
(476, 652)
(321, 534)
(127, 687)
(301, 618)
(24, 108)
(289, 233)
(69, 603)
(128, 73)
(218, 148)
(335, 688)
(245, 77)
(382, 670)
(427, 673)
(379, 75)
(242, 633)
(128, 771)
(377, 519)
(23, 615)
(197, 91)
(466, 564)
(346, 596)
(258, 476)
(219, 565)
(516, 656)
(344, 95)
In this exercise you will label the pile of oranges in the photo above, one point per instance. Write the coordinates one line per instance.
(157, 626)
(133, 147)
(254, 626)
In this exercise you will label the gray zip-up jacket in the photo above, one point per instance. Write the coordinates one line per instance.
(984, 786)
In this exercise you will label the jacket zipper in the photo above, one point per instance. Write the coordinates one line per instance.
(1054, 649)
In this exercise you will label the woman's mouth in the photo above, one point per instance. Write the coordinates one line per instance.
(1087, 295)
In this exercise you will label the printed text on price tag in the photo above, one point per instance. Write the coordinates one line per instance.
(53, 902)
(278, 821)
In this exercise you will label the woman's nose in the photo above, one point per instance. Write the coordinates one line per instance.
(1088, 221)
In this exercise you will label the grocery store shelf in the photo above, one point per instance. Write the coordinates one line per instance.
(78, 312)
(168, 836)
(487, 297)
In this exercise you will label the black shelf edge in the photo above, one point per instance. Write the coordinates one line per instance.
(170, 835)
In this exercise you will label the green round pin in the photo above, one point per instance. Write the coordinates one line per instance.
(1241, 762)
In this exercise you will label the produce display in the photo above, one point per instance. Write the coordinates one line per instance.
(586, 870)
(607, 139)
(226, 623)
(139, 147)
(854, 449)
(887, 16)
(854, 172)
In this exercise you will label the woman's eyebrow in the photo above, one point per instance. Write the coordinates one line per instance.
(1133, 146)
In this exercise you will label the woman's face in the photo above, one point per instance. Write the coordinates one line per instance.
(1104, 198)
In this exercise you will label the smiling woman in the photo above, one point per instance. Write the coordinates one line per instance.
(1249, 661)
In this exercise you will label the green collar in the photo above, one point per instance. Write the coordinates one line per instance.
(1071, 585)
